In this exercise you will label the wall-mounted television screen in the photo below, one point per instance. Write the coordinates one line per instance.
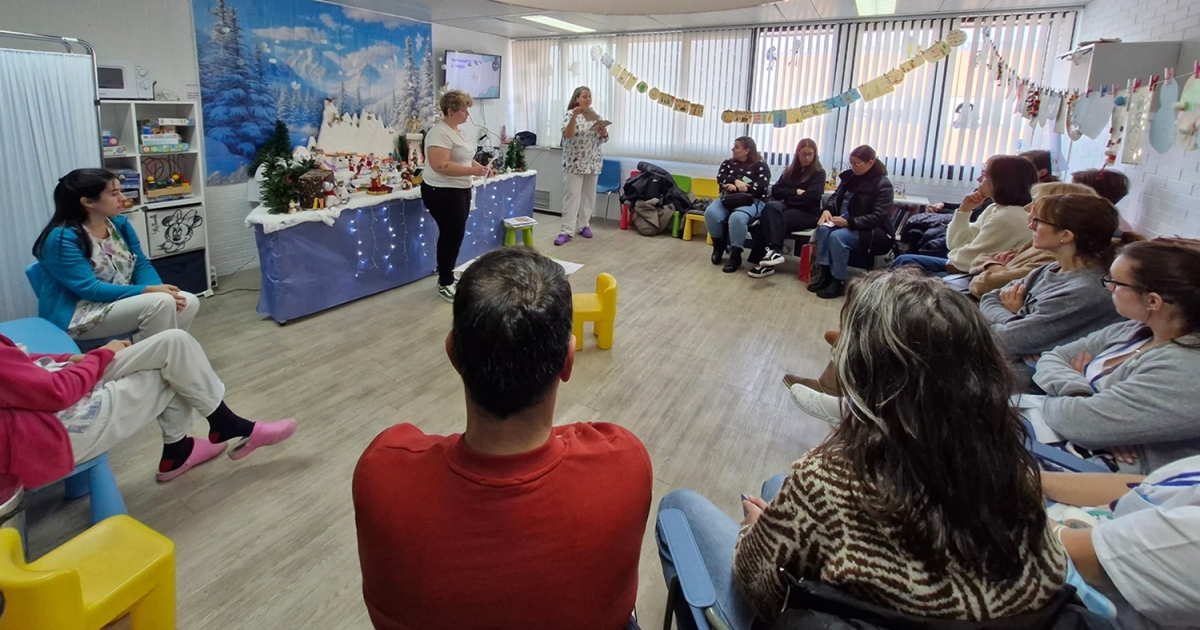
(477, 75)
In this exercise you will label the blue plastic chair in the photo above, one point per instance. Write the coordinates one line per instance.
(94, 476)
(1054, 456)
(691, 581)
(34, 273)
(608, 183)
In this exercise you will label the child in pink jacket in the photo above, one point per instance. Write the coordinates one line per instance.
(59, 410)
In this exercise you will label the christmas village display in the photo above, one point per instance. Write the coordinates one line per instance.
(352, 154)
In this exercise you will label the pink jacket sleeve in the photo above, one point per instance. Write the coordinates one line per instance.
(30, 387)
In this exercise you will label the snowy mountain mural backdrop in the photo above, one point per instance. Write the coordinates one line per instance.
(267, 59)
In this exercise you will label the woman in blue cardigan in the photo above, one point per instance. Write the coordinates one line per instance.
(95, 281)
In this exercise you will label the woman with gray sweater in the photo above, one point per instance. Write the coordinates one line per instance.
(1130, 388)
(1064, 300)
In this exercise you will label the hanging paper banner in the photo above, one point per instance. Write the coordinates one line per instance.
(868, 91)
(626, 79)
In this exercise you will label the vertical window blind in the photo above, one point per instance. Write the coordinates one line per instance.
(939, 125)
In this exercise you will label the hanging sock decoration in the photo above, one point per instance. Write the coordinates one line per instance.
(626, 79)
(1137, 123)
(1162, 127)
(868, 91)
(1116, 133)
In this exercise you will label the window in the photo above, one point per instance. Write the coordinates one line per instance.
(939, 125)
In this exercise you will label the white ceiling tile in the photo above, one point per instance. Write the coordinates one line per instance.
(510, 27)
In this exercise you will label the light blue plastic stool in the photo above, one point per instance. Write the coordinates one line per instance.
(94, 476)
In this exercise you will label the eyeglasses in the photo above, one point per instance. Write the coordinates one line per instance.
(1108, 282)
(807, 154)
(1034, 221)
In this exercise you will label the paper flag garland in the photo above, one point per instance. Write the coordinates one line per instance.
(626, 79)
(868, 91)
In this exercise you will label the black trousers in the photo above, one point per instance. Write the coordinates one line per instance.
(774, 223)
(449, 207)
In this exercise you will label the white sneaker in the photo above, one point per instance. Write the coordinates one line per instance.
(447, 292)
(818, 405)
(771, 259)
(760, 271)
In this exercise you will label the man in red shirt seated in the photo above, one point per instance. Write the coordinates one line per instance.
(515, 523)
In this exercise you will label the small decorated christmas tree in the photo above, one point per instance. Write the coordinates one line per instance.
(515, 159)
(281, 184)
(279, 145)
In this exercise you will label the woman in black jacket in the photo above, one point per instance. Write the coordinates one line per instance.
(863, 204)
(745, 180)
(795, 205)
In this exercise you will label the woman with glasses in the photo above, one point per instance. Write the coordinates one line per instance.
(1131, 388)
(1006, 179)
(862, 205)
(1064, 300)
(744, 180)
(795, 205)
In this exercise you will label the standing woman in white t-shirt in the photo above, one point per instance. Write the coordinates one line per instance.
(582, 160)
(446, 184)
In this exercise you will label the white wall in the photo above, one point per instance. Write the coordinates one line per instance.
(118, 30)
(1165, 188)
(494, 112)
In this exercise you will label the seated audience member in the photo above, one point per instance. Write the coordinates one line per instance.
(993, 271)
(859, 223)
(923, 500)
(1042, 161)
(795, 205)
(1131, 387)
(745, 180)
(514, 523)
(1111, 184)
(1007, 180)
(95, 280)
(57, 411)
(1063, 300)
(1145, 558)
(1108, 183)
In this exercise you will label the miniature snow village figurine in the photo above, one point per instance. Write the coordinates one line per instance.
(293, 206)
(331, 198)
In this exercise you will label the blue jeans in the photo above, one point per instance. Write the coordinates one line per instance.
(716, 535)
(717, 214)
(833, 249)
(931, 265)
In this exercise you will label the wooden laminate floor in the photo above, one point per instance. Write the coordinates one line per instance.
(269, 542)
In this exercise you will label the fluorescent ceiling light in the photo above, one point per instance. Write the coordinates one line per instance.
(566, 26)
(875, 7)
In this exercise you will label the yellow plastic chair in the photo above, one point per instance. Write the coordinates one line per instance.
(600, 308)
(705, 187)
(117, 566)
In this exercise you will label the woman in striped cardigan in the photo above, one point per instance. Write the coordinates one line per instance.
(923, 500)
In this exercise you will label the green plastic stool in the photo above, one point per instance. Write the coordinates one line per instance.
(510, 235)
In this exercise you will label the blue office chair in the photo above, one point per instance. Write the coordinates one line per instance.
(1056, 457)
(93, 477)
(608, 183)
(33, 272)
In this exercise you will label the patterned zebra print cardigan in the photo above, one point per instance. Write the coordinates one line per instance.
(814, 531)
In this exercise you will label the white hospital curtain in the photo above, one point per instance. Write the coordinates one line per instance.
(47, 128)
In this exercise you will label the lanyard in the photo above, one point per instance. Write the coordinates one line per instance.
(1106, 355)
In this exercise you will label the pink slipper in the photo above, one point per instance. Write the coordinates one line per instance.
(264, 434)
(202, 451)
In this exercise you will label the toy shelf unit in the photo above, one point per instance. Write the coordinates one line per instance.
(155, 148)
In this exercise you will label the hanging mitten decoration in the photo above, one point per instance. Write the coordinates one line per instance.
(1162, 126)
(1187, 120)
(1031, 103)
(1098, 113)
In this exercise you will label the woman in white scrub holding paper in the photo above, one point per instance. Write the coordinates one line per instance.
(583, 134)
